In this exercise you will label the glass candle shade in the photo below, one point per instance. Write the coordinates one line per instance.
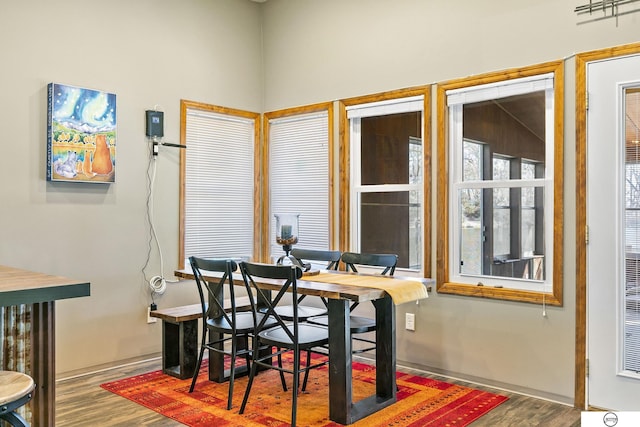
(286, 229)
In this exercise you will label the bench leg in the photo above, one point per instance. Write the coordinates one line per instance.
(179, 348)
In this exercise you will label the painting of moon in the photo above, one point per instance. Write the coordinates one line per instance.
(81, 134)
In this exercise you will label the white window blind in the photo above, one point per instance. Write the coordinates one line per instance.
(299, 176)
(219, 185)
(386, 107)
(502, 89)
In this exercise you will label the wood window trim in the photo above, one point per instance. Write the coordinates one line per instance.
(443, 285)
(184, 106)
(264, 161)
(345, 166)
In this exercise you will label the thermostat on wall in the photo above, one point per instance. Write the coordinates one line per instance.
(155, 123)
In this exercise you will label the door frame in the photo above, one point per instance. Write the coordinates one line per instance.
(582, 61)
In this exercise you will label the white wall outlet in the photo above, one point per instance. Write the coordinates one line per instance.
(410, 322)
(149, 318)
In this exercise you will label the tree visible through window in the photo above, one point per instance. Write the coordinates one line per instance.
(494, 223)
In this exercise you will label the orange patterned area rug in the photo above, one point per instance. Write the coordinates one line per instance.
(421, 401)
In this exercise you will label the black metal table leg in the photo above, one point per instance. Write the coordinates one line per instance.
(340, 368)
(341, 407)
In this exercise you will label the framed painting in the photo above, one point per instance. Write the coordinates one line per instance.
(81, 134)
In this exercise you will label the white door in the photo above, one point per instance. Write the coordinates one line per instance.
(613, 218)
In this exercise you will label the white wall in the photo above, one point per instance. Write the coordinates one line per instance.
(317, 51)
(147, 52)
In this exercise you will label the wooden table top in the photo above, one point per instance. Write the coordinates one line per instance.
(307, 286)
(19, 286)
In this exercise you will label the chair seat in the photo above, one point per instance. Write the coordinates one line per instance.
(304, 312)
(244, 323)
(14, 385)
(359, 324)
(309, 336)
(16, 390)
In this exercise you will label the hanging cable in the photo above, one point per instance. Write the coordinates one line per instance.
(158, 283)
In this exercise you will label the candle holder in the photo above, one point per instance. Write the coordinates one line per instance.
(287, 235)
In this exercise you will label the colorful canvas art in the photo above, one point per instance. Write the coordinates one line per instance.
(81, 135)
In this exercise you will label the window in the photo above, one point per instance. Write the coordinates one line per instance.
(300, 174)
(631, 294)
(383, 169)
(500, 185)
(217, 189)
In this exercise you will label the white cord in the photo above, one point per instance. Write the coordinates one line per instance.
(157, 284)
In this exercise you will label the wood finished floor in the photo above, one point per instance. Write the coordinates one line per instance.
(81, 402)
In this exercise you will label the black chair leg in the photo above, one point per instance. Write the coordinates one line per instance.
(252, 373)
(195, 373)
(296, 382)
(232, 375)
(284, 383)
(306, 372)
(14, 419)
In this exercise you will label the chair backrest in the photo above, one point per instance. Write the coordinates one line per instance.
(388, 261)
(213, 303)
(332, 258)
(290, 275)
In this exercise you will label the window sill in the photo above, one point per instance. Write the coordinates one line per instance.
(498, 293)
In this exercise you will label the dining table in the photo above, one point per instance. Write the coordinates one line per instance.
(341, 290)
(39, 291)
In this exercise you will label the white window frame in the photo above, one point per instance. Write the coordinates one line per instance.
(354, 115)
(456, 99)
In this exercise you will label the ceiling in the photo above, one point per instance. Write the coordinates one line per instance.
(529, 111)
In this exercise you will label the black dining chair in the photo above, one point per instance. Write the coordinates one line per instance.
(361, 324)
(330, 261)
(287, 336)
(222, 325)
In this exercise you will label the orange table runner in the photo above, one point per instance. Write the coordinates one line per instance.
(400, 290)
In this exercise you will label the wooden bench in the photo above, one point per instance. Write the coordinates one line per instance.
(180, 337)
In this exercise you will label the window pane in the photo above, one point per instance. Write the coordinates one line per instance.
(501, 227)
(528, 231)
(299, 183)
(387, 152)
(501, 233)
(415, 229)
(498, 134)
(384, 217)
(528, 170)
(415, 160)
(471, 238)
(631, 285)
(218, 185)
(528, 197)
(501, 198)
(471, 161)
(501, 169)
(385, 144)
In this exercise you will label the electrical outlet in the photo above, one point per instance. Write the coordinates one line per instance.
(410, 322)
(149, 318)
